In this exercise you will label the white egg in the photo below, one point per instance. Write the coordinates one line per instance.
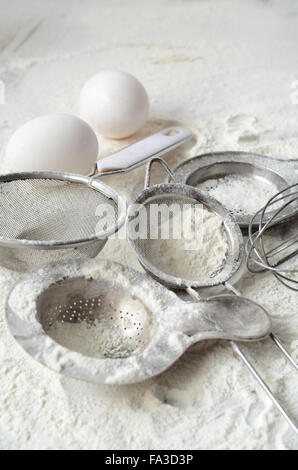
(55, 142)
(114, 103)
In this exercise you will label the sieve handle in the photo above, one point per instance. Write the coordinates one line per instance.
(136, 154)
(149, 168)
(225, 317)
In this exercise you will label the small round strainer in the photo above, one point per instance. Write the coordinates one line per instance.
(167, 195)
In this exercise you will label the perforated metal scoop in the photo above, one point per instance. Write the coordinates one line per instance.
(169, 194)
(48, 215)
(102, 322)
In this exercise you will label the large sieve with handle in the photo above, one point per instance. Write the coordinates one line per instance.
(47, 215)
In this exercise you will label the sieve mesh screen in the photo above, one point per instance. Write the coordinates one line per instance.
(49, 209)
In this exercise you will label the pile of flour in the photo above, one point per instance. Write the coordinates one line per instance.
(196, 250)
(239, 194)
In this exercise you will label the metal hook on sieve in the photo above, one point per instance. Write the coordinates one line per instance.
(149, 169)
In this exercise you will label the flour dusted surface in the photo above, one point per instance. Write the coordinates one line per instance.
(232, 97)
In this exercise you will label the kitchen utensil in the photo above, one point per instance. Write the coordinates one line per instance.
(49, 215)
(276, 258)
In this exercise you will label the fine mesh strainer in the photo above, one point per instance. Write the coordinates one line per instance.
(181, 194)
(48, 215)
(103, 322)
(171, 195)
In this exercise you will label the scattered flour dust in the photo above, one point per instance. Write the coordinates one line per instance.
(239, 194)
(196, 250)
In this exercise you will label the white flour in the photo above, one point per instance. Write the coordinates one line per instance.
(241, 195)
(228, 86)
(199, 248)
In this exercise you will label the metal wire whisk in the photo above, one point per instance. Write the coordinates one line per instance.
(260, 256)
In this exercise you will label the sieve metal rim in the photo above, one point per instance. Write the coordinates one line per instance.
(234, 234)
(72, 178)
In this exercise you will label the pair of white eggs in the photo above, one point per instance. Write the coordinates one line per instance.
(113, 103)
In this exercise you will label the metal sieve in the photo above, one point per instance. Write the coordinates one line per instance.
(181, 193)
(49, 215)
(167, 194)
(137, 327)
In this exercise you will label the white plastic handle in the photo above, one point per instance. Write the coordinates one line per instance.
(135, 155)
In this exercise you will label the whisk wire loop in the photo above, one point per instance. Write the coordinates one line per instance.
(261, 258)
